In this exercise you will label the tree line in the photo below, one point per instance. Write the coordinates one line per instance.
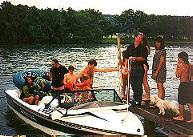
(20, 24)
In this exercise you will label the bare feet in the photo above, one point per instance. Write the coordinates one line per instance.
(178, 118)
(190, 121)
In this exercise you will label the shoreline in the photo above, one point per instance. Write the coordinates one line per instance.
(105, 43)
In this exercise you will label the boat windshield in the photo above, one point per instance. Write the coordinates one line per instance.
(109, 96)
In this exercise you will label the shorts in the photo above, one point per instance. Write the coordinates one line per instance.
(190, 93)
(183, 91)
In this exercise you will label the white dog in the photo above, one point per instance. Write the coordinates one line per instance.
(164, 104)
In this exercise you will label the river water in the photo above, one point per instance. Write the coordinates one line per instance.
(18, 59)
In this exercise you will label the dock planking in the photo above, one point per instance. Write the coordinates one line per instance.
(174, 127)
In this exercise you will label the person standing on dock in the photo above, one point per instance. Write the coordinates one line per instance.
(184, 91)
(136, 55)
(124, 91)
(146, 97)
(159, 66)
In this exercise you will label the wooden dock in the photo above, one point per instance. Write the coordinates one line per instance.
(174, 127)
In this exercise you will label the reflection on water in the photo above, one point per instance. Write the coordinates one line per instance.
(14, 60)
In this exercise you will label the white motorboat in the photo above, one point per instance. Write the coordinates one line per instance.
(98, 111)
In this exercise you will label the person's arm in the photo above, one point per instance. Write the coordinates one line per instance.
(65, 70)
(79, 75)
(25, 91)
(85, 83)
(161, 63)
(143, 53)
(136, 59)
(65, 79)
(105, 69)
(50, 73)
(179, 69)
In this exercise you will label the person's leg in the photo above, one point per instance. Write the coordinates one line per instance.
(25, 100)
(161, 90)
(56, 91)
(30, 100)
(136, 84)
(146, 87)
(124, 87)
(191, 113)
(181, 101)
(36, 99)
(181, 114)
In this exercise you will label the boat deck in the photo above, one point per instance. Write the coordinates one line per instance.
(174, 127)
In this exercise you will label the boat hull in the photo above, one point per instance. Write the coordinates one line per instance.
(46, 124)
(49, 126)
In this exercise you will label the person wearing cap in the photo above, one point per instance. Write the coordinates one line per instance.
(136, 55)
(159, 66)
(90, 69)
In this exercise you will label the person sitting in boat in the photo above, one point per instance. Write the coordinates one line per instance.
(29, 94)
(84, 83)
(90, 69)
(69, 79)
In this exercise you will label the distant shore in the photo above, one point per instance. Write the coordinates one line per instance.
(105, 42)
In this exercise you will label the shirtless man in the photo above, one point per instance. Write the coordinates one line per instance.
(183, 73)
(69, 78)
(84, 83)
(90, 69)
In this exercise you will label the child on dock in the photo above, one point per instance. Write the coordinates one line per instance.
(184, 92)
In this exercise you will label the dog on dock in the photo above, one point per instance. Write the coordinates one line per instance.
(164, 104)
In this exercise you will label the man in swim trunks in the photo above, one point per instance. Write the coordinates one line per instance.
(183, 73)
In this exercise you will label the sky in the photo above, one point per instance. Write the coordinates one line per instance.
(113, 7)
